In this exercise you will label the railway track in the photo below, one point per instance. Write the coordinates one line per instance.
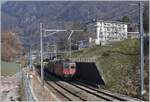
(69, 95)
(83, 92)
(105, 92)
(78, 91)
(84, 95)
(56, 90)
(101, 94)
(63, 93)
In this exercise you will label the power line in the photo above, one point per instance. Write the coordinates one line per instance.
(127, 12)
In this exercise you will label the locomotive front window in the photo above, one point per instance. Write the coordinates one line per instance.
(66, 65)
(72, 66)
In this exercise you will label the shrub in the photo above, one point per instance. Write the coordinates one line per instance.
(106, 54)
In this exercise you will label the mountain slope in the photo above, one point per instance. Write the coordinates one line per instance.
(24, 17)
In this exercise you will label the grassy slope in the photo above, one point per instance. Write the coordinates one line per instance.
(9, 68)
(119, 65)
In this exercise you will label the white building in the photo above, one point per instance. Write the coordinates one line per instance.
(107, 31)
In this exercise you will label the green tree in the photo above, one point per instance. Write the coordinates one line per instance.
(125, 19)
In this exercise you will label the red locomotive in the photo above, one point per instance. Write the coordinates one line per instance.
(62, 68)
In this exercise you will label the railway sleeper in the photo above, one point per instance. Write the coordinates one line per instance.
(103, 96)
(81, 92)
(115, 95)
(66, 93)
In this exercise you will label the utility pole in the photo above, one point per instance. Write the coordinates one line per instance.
(140, 5)
(61, 30)
(69, 38)
(47, 45)
(41, 44)
(70, 48)
(88, 16)
(30, 54)
(142, 48)
(55, 51)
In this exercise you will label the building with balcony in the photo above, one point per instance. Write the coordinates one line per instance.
(103, 32)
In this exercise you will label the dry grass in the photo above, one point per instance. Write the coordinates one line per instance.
(119, 65)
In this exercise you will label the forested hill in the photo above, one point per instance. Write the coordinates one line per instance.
(24, 17)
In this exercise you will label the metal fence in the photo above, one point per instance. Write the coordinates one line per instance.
(28, 91)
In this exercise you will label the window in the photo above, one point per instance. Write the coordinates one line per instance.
(108, 29)
(72, 66)
(66, 65)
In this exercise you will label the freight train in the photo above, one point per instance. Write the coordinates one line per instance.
(62, 68)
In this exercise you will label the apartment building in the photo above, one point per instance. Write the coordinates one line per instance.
(103, 32)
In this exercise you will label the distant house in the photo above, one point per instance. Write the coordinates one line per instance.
(104, 32)
(133, 31)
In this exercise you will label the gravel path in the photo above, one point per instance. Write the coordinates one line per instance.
(9, 87)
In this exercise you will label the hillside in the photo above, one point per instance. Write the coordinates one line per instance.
(24, 17)
(119, 65)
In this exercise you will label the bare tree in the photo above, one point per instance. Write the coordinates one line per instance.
(11, 46)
